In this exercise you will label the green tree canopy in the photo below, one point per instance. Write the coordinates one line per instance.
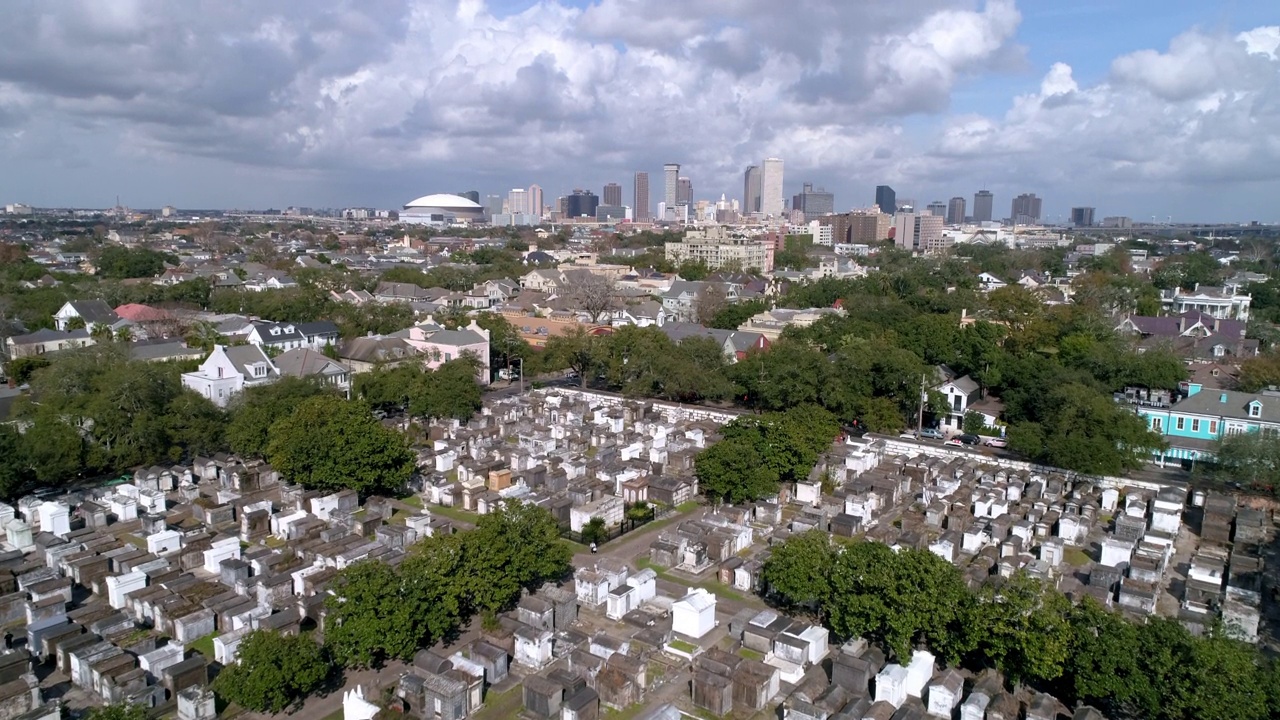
(328, 443)
(273, 671)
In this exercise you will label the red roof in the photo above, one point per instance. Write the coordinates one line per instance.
(141, 313)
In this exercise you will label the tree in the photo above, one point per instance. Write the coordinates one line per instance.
(594, 532)
(974, 423)
(733, 315)
(797, 572)
(369, 620)
(15, 471)
(760, 452)
(1260, 372)
(20, 370)
(710, 301)
(273, 671)
(1022, 628)
(119, 262)
(54, 450)
(1250, 459)
(119, 711)
(595, 294)
(255, 410)
(518, 547)
(575, 350)
(1103, 663)
(328, 443)
(450, 391)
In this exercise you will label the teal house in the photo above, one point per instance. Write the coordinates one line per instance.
(1193, 425)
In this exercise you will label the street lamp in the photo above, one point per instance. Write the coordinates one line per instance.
(521, 371)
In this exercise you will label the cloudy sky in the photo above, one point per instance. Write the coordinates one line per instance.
(1137, 107)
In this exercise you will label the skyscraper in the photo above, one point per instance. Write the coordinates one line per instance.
(641, 207)
(684, 191)
(612, 194)
(751, 190)
(582, 203)
(1082, 217)
(772, 201)
(472, 195)
(518, 201)
(887, 199)
(982, 202)
(937, 207)
(1026, 209)
(955, 211)
(535, 200)
(813, 203)
(671, 173)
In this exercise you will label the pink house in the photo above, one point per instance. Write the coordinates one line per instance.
(439, 346)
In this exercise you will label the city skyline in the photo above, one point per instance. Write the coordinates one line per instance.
(329, 105)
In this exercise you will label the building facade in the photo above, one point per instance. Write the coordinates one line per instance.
(772, 201)
(1226, 302)
(813, 203)
(612, 194)
(1082, 217)
(518, 201)
(1194, 425)
(955, 211)
(640, 208)
(1026, 209)
(983, 206)
(751, 190)
(937, 207)
(887, 199)
(718, 249)
(536, 206)
(671, 178)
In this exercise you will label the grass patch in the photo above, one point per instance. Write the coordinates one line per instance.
(685, 507)
(272, 541)
(204, 646)
(455, 514)
(1075, 557)
(750, 654)
(501, 706)
(135, 541)
(683, 646)
(335, 715)
(412, 501)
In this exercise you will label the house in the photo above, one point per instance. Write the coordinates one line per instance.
(1226, 302)
(988, 282)
(91, 312)
(307, 363)
(963, 395)
(288, 336)
(735, 344)
(439, 345)
(46, 341)
(771, 323)
(269, 280)
(363, 354)
(680, 301)
(1193, 426)
(351, 297)
(646, 313)
(228, 370)
(1193, 335)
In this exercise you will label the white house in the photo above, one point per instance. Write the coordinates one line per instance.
(228, 370)
(694, 615)
(290, 336)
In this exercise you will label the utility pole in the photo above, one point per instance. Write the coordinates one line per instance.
(920, 414)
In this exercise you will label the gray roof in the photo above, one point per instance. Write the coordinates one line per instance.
(94, 311)
(322, 327)
(244, 355)
(287, 331)
(161, 350)
(377, 349)
(456, 338)
(1231, 404)
(305, 362)
(47, 335)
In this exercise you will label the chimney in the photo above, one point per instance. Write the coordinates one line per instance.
(1182, 323)
(1216, 322)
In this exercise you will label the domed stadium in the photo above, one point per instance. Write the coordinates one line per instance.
(440, 208)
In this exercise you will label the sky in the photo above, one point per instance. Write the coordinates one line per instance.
(1146, 108)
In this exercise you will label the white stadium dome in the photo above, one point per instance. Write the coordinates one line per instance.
(441, 207)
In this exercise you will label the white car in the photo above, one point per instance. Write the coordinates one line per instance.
(996, 442)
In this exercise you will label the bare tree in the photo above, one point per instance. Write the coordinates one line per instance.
(594, 294)
(708, 303)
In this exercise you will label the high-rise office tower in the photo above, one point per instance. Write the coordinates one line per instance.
(535, 200)
(671, 176)
(772, 201)
(684, 191)
(937, 207)
(493, 205)
(751, 190)
(472, 195)
(813, 203)
(1082, 217)
(582, 203)
(982, 206)
(518, 201)
(641, 209)
(955, 211)
(612, 194)
(1026, 209)
(887, 199)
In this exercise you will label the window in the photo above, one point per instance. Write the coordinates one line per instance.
(1195, 426)
(1157, 424)
(1213, 427)
(1180, 423)
(1255, 409)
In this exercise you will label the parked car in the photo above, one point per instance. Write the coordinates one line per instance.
(968, 439)
(932, 434)
(996, 442)
(907, 435)
(954, 442)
